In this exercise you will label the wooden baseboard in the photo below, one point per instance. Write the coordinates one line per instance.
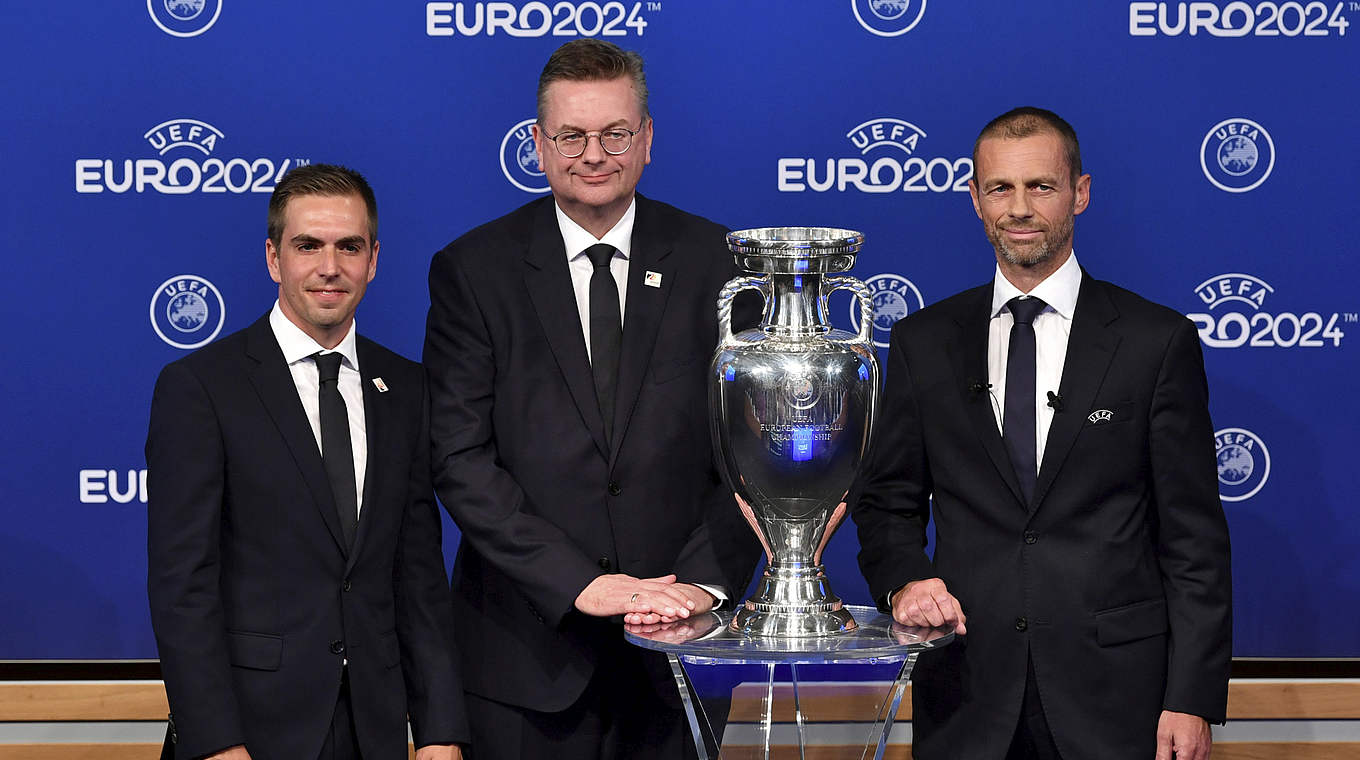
(77, 700)
(80, 751)
(1233, 751)
(128, 751)
(1255, 700)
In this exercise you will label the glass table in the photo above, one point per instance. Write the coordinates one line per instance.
(716, 667)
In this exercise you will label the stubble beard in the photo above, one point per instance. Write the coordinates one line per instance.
(1050, 246)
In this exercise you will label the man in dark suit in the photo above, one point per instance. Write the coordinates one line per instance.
(1057, 428)
(567, 347)
(295, 573)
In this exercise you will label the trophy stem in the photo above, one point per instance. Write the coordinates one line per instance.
(793, 601)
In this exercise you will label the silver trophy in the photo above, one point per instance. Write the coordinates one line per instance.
(791, 406)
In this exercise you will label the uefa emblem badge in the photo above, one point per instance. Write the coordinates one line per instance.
(519, 159)
(894, 297)
(1237, 155)
(187, 311)
(1243, 463)
(888, 18)
(184, 18)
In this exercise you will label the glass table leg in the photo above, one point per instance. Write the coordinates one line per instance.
(693, 707)
(888, 713)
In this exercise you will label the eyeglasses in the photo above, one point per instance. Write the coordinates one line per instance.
(614, 141)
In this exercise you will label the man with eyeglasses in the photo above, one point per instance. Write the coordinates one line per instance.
(568, 345)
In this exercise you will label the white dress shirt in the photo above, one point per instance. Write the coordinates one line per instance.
(1051, 328)
(298, 348)
(577, 240)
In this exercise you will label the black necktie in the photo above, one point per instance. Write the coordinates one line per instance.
(1018, 421)
(336, 452)
(606, 332)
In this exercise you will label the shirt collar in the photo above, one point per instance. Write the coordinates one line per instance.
(1058, 290)
(577, 240)
(298, 345)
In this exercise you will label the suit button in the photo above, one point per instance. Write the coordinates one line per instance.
(346, 586)
(1021, 624)
(1031, 537)
(337, 647)
(605, 564)
(614, 488)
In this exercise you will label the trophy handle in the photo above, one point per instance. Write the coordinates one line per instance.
(725, 298)
(866, 304)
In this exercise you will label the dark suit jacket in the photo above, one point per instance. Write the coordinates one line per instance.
(1114, 578)
(254, 599)
(545, 504)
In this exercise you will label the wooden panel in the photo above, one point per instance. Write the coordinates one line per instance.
(92, 751)
(1279, 700)
(145, 700)
(1267, 700)
(1286, 751)
(1222, 751)
(80, 751)
(826, 752)
(1230, 751)
(821, 703)
(75, 700)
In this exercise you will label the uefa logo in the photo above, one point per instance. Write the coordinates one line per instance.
(187, 311)
(888, 18)
(1237, 155)
(1237, 317)
(1243, 463)
(184, 18)
(519, 159)
(894, 297)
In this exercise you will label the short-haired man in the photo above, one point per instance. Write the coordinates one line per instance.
(1057, 429)
(567, 347)
(295, 573)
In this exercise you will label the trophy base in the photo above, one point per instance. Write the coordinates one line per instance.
(794, 625)
(793, 603)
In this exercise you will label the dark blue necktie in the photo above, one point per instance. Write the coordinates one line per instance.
(606, 332)
(337, 454)
(1018, 422)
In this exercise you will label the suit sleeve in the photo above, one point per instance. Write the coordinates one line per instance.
(481, 496)
(890, 502)
(1192, 533)
(434, 688)
(186, 477)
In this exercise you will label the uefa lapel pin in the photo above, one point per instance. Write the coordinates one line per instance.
(380, 385)
(652, 280)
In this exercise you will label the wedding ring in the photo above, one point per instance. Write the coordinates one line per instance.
(633, 598)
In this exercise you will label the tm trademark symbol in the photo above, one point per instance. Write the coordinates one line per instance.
(655, 5)
(302, 161)
(1355, 6)
(1352, 317)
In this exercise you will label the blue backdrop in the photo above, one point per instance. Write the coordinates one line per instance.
(141, 140)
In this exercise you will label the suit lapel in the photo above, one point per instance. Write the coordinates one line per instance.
(968, 353)
(1090, 347)
(549, 285)
(274, 384)
(642, 314)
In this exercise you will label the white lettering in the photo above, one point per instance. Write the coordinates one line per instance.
(92, 487)
(437, 18)
(87, 175)
(123, 497)
(852, 171)
(1140, 19)
(499, 15)
(790, 172)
